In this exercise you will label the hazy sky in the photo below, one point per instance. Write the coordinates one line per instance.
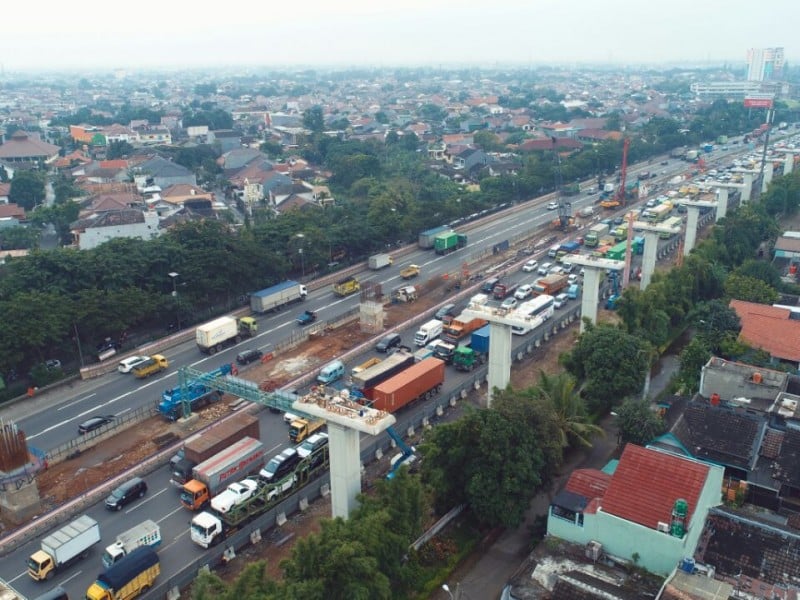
(169, 33)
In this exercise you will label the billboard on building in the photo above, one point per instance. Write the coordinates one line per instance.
(760, 102)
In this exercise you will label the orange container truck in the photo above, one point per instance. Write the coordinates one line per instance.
(420, 381)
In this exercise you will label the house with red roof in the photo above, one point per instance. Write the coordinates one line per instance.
(652, 506)
(774, 329)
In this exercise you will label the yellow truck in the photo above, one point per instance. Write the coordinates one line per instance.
(346, 286)
(129, 578)
(156, 364)
(300, 429)
(410, 271)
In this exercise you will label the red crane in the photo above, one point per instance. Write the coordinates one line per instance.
(619, 197)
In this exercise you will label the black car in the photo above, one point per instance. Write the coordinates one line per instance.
(126, 493)
(448, 310)
(94, 423)
(280, 466)
(247, 356)
(388, 342)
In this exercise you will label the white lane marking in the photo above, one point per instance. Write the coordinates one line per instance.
(145, 501)
(63, 406)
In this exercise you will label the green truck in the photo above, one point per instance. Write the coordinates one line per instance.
(595, 233)
(450, 241)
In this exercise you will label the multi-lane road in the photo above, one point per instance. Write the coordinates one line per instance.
(116, 393)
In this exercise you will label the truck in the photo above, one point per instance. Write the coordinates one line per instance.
(371, 362)
(426, 351)
(427, 237)
(621, 232)
(146, 533)
(301, 428)
(428, 332)
(420, 381)
(210, 476)
(503, 290)
(570, 247)
(64, 547)
(550, 284)
(130, 577)
(307, 317)
(618, 251)
(276, 297)
(594, 235)
(379, 261)
(209, 527)
(571, 189)
(468, 358)
(449, 241)
(208, 442)
(406, 293)
(364, 382)
(213, 336)
(458, 328)
(691, 155)
(198, 391)
(346, 286)
(410, 272)
(155, 364)
(722, 139)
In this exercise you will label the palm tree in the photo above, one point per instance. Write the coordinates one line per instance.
(560, 393)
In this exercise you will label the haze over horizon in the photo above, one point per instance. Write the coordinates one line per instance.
(411, 33)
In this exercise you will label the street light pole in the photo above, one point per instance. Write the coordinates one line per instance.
(174, 276)
(301, 237)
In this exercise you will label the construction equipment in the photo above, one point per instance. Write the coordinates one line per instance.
(565, 220)
(611, 303)
(406, 455)
(619, 198)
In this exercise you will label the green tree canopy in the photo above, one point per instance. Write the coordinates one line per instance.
(27, 188)
(638, 423)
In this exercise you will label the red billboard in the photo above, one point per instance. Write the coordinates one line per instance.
(758, 102)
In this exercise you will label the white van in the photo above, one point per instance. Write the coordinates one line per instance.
(428, 332)
(331, 372)
(554, 250)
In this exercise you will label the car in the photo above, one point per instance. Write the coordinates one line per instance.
(664, 163)
(651, 203)
(572, 279)
(530, 266)
(281, 465)
(311, 445)
(448, 310)
(567, 267)
(556, 270)
(524, 291)
(544, 268)
(560, 300)
(126, 493)
(126, 365)
(245, 357)
(552, 205)
(509, 303)
(306, 318)
(392, 340)
(93, 423)
(618, 220)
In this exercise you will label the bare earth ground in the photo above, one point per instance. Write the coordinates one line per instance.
(73, 477)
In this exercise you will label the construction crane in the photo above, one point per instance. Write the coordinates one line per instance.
(619, 197)
(565, 220)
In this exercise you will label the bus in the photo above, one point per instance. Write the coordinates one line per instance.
(534, 312)
(672, 222)
(657, 213)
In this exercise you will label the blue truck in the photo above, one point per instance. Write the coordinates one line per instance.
(570, 247)
(200, 394)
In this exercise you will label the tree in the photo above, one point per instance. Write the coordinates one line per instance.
(27, 188)
(716, 322)
(750, 289)
(486, 460)
(613, 364)
(314, 119)
(119, 149)
(569, 408)
(638, 424)
(692, 358)
(487, 140)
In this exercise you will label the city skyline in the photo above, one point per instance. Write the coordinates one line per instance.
(413, 33)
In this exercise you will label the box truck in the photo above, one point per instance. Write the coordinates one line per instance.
(212, 475)
(428, 332)
(420, 381)
(60, 549)
(129, 578)
(146, 533)
(379, 261)
(213, 336)
(277, 296)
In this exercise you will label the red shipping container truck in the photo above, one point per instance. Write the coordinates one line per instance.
(420, 381)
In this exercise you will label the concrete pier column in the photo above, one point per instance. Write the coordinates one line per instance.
(649, 257)
(768, 172)
(499, 358)
(722, 203)
(691, 229)
(592, 277)
(345, 469)
(788, 164)
(747, 190)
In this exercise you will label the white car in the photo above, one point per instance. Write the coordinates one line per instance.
(560, 300)
(234, 494)
(509, 303)
(552, 205)
(282, 487)
(126, 365)
(524, 291)
(530, 266)
(544, 268)
(556, 270)
(572, 279)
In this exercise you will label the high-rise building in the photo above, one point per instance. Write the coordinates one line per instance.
(764, 64)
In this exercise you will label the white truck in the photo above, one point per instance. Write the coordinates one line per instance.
(379, 261)
(60, 549)
(277, 296)
(234, 494)
(147, 533)
(428, 332)
(213, 336)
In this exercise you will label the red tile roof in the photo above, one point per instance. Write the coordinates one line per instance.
(589, 483)
(647, 483)
(769, 328)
